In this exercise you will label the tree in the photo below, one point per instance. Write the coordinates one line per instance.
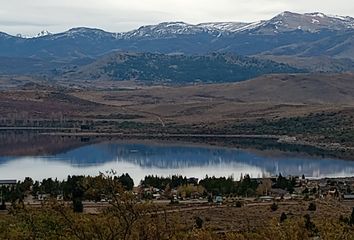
(126, 181)
(36, 188)
(3, 205)
(77, 196)
(264, 187)
(27, 184)
(284, 183)
(124, 206)
(78, 206)
(186, 191)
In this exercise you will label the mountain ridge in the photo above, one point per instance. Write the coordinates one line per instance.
(310, 35)
(334, 21)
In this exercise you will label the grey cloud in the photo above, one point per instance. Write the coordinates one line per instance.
(10, 23)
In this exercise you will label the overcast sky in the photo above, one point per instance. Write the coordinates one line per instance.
(31, 16)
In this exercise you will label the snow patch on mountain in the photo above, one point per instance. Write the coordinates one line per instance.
(283, 22)
(43, 33)
(166, 29)
(310, 22)
(252, 26)
(223, 26)
(317, 14)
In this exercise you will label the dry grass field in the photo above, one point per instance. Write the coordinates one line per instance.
(264, 97)
(258, 215)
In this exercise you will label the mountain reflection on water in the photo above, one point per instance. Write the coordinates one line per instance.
(140, 159)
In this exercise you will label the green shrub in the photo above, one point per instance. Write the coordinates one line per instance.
(274, 207)
(283, 217)
(78, 206)
(312, 206)
(238, 204)
(3, 206)
(199, 222)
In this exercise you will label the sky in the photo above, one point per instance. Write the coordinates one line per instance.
(29, 17)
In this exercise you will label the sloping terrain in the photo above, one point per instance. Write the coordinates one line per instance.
(320, 64)
(340, 46)
(277, 88)
(176, 69)
(263, 97)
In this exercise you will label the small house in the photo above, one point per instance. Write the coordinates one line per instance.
(8, 182)
(266, 198)
(42, 197)
(218, 199)
(348, 197)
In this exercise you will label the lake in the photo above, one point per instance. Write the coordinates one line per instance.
(145, 158)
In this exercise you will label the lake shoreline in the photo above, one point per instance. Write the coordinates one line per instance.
(219, 140)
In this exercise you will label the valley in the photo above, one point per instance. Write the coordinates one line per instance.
(314, 110)
(175, 120)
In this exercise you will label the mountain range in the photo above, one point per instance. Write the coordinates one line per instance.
(309, 37)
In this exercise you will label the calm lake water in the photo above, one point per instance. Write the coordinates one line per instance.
(141, 159)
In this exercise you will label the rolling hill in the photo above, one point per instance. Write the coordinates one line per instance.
(176, 69)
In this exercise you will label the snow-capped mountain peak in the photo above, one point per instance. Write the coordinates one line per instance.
(310, 22)
(84, 32)
(43, 33)
(164, 29)
(283, 22)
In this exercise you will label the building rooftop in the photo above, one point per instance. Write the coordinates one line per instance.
(8, 182)
(348, 196)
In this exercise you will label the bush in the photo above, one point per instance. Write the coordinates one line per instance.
(3, 206)
(174, 201)
(238, 204)
(347, 220)
(351, 219)
(312, 206)
(343, 219)
(78, 206)
(274, 207)
(310, 226)
(199, 222)
(283, 217)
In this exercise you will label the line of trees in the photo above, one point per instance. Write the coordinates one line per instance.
(74, 187)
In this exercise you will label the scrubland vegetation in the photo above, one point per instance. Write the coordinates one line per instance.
(121, 213)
